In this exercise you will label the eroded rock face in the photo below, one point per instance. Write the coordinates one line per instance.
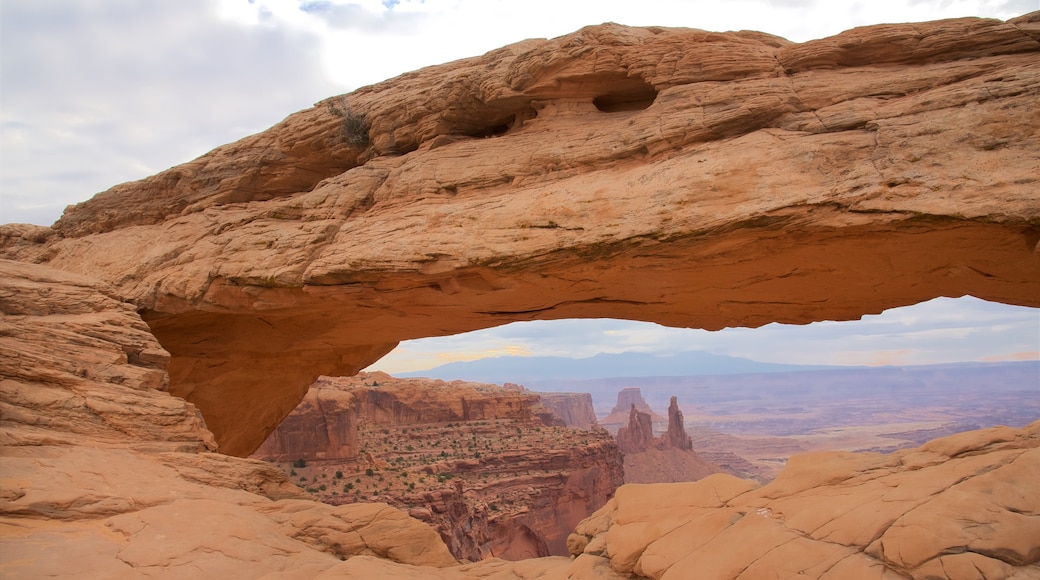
(677, 176)
(629, 398)
(106, 475)
(638, 435)
(489, 467)
(325, 424)
(574, 409)
(676, 436)
(838, 515)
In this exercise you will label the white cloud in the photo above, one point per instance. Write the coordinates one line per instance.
(97, 93)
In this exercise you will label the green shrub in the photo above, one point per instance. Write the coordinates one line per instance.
(301, 462)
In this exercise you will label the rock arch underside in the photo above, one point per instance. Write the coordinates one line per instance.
(683, 177)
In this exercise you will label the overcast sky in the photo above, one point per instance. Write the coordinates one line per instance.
(98, 92)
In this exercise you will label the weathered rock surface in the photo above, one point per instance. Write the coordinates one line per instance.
(325, 424)
(574, 409)
(638, 435)
(838, 515)
(79, 363)
(487, 466)
(629, 398)
(103, 474)
(675, 437)
(677, 176)
(664, 459)
(75, 500)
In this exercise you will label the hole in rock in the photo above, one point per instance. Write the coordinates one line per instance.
(628, 94)
(744, 401)
(498, 124)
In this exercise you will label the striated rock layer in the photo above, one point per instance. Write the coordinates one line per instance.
(630, 399)
(574, 409)
(325, 424)
(678, 176)
(488, 467)
(106, 475)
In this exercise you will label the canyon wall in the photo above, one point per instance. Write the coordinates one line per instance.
(489, 467)
(683, 177)
(574, 409)
(629, 398)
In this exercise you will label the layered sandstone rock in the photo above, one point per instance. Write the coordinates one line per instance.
(664, 459)
(629, 398)
(487, 466)
(677, 176)
(574, 409)
(965, 506)
(675, 437)
(106, 475)
(76, 500)
(638, 434)
(325, 424)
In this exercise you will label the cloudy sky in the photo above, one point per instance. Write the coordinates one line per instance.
(98, 92)
(938, 331)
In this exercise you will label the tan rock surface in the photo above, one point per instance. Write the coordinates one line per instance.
(103, 474)
(958, 507)
(676, 176)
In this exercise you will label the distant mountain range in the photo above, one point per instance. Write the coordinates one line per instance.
(538, 371)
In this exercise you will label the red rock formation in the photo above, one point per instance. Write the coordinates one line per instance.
(516, 490)
(620, 415)
(630, 397)
(323, 426)
(574, 409)
(669, 458)
(676, 436)
(580, 177)
(677, 176)
(638, 435)
(104, 474)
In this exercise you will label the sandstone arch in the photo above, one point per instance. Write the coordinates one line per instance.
(767, 181)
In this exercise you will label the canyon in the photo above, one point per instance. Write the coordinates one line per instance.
(491, 468)
(160, 332)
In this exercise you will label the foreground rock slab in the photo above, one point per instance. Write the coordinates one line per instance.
(964, 506)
